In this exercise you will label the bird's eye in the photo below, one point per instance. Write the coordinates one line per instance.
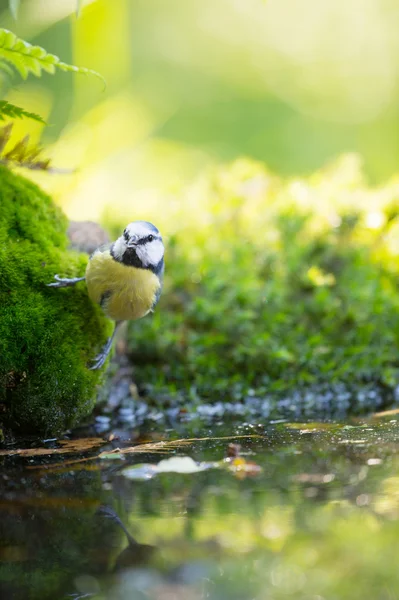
(126, 235)
(150, 238)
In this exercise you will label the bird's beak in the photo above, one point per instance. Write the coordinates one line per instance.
(131, 244)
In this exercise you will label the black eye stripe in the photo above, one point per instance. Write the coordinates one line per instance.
(148, 238)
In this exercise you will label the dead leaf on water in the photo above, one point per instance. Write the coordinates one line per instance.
(166, 446)
(66, 447)
(311, 427)
(385, 413)
(148, 448)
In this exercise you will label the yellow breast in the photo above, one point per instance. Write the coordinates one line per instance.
(124, 292)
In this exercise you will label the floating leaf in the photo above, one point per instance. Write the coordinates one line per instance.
(180, 464)
(176, 464)
(187, 466)
(141, 472)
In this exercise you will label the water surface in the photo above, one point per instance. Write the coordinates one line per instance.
(306, 511)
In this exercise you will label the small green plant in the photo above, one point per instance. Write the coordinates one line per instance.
(284, 286)
(21, 154)
(27, 59)
(18, 56)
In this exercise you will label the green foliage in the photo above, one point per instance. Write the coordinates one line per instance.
(11, 111)
(47, 336)
(285, 285)
(27, 59)
(21, 154)
(18, 55)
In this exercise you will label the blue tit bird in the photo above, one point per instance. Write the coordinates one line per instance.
(125, 278)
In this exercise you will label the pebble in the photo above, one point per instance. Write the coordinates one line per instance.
(321, 401)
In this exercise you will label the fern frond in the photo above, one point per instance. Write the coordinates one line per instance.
(13, 111)
(26, 59)
(21, 154)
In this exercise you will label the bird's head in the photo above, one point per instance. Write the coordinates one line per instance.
(140, 246)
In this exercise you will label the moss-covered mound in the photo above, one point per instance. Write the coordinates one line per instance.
(276, 286)
(47, 336)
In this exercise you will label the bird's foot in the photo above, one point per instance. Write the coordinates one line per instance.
(100, 359)
(61, 282)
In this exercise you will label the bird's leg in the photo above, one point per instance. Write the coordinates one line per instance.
(102, 356)
(61, 282)
(109, 513)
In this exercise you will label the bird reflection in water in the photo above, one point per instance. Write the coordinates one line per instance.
(135, 555)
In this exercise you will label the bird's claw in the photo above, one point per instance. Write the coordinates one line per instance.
(57, 283)
(98, 361)
(61, 282)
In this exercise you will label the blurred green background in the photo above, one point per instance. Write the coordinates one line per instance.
(261, 137)
(197, 82)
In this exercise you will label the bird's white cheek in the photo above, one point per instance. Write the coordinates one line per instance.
(151, 253)
(156, 251)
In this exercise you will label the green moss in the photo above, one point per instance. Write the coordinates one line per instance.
(280, 285)
(47, 335)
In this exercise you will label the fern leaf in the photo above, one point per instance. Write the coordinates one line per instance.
(13, 111)
(27, 59)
